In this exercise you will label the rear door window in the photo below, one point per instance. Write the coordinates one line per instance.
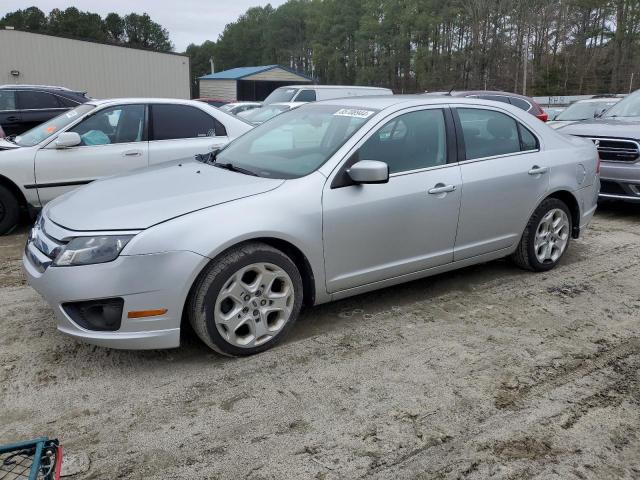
(495, 98)
(34, 100)
(520, 103)
(488, 133)
(171, 122)
(7, 100)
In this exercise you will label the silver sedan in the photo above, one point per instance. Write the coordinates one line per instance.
(323, 202)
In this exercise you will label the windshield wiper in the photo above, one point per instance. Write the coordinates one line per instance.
(230, 166)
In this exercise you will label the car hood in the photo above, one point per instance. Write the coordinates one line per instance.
(7, 145)
(556, 124)
(604, 127)
(145, 197)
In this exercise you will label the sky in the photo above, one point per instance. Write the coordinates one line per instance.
(188, 21)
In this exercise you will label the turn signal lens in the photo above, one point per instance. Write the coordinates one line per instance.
(147, 313)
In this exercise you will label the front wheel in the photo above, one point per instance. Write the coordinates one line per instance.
(545, 238)
(9, 210)
(245, 301)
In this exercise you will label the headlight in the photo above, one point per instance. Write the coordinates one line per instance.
(89, 250)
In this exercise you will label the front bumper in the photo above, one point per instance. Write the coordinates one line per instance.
(145, 282)
(620, 181)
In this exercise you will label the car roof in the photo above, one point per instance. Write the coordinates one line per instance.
(324, 87)
(381, 102)
(599, 100)
(176, 101)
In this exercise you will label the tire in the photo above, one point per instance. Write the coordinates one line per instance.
(528, 254)
(9, 210)
(253, 277)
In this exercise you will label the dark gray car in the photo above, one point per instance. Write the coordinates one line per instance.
(22, 107)
(617, 137)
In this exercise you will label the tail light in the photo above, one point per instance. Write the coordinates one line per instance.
(544, 116)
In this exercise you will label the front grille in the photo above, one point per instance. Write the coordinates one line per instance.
(617, 150)
(612, 188)
(43, 242)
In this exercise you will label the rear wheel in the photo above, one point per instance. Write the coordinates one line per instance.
(9, 210)
(247, 300)
(545, 238)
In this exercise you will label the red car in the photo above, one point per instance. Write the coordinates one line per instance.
(525, 103)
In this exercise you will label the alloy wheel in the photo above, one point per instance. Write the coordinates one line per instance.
(254, 305)
(552, 236)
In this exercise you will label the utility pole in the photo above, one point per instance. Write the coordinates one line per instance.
(631, 82)
(525, 60)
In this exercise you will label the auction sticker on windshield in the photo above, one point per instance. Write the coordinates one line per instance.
(354, 112)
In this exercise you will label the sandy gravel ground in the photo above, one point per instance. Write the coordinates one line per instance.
(488, 372)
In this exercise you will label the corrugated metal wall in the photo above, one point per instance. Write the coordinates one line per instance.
(223, 89)
(103, 71)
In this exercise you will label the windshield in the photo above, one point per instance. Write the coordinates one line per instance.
(281, 94)
(627, 107)
(226, 107)
(45, 130)
(260, 115)
(295, 143)
(584, 110)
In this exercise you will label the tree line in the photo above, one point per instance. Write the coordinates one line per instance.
(568, 46)
(131, 30)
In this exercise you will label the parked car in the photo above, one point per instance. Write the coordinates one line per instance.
(237, 107)
(102, 138)
(616, 133)
(260, 115)
(312, 93)
(527, 104)
(2, 134)
(381, 191)
(583, 110)
(214, 102)
(24, 106)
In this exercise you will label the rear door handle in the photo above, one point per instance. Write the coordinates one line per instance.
(441, 188)
(536, 170)
(132, 153)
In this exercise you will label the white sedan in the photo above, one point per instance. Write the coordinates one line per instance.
(102, 138)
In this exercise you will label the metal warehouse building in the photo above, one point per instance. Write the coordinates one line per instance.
(101, 70)
(249, 83)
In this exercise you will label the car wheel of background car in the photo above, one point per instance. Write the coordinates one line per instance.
(245, 301)
(545, 238)
(9, 210)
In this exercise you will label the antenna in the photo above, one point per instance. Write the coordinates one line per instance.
(452, 87)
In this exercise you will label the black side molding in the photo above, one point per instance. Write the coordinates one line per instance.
(31, 186)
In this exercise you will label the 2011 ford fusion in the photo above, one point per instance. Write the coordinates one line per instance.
(323, 202)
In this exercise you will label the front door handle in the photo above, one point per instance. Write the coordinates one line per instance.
(13, 118)
(536, 170)
(132, 153)
(441, 188)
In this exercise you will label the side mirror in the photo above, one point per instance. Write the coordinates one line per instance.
(598, 113)
(68, 139)
(369, 171)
